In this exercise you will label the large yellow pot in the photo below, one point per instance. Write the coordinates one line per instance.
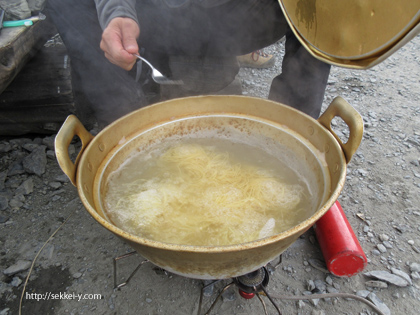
(309, 146)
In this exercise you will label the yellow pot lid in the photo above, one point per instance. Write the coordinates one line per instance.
(356, 33)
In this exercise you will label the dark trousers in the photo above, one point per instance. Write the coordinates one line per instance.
(191, 42)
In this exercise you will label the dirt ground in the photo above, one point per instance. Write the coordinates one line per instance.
(381, 200)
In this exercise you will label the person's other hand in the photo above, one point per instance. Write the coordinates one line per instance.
(119, 42)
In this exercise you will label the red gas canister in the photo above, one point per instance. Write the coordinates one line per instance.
(342, 251)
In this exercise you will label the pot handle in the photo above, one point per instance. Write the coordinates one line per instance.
(70, 128)
(339, 107)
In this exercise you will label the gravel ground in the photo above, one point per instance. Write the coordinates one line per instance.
(381, 200)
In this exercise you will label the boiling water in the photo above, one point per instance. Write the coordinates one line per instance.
(206, 192)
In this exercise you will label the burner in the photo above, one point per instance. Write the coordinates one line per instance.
(253, 282)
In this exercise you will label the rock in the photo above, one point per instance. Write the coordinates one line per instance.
(402, 274)
(36, 162)
(4, 203)
(310, 285)
(329, 280)
(387, 277)
(15, 203)
(36, 5)
(5, 311)
(208, 287)
(379, 304)
(387, 244)
(376, 284)
(363, 293)
(381, 248)
(415, 267)
(15, 169)
(16, 282)
(229, 295)
(301, 304)
(376, 252)
(320, 285)
(49, 142)
(62, 178)
(5, 147)
(54, 185)
(19, 266)
(51, 154)
(3, 176)
(415, 275)
(30, 146)
(26, 187)
(3, 219)
(77, 275)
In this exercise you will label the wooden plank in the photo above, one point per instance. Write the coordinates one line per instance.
(40, 97)
(18, 45)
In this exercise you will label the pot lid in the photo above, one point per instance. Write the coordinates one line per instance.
(354, 34)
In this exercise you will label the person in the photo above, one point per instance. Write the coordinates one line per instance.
(196, 41)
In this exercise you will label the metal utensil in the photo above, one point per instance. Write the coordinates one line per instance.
(158, 77)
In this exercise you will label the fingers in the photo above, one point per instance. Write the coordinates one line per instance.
(119, 42)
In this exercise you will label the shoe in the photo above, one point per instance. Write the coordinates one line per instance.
(256, 59)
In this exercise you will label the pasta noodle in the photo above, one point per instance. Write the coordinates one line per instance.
(199, 195)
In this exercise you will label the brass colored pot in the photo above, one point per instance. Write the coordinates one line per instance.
(352, 34)
(313, 149)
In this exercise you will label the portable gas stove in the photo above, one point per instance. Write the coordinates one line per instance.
(249, 285)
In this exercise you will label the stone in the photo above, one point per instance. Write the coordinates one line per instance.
(15, 169)
(62, 178)
(5, 147)
(49, 142)
(415, 267)
(26, 187)
(3, 176)
(51, 154)
(363, 293)
(301, 304)
(381, 248)
(376, 284)
(54, 185)
(30, 146)
(5, 311)
(77, 275)
(378, 303)
(36, 5)
(3, 219)
(16, 282)
(387, 277)
(384, 237)
(320, 285)
(402, 274)
(15, 203)
(310, 285)
(36, 162)
(19, 266)
(387, 244)
(4, 203)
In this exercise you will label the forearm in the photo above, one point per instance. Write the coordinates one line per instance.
(110, 9)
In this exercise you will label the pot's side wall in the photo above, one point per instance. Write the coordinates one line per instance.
(222, 265)
(215, 263)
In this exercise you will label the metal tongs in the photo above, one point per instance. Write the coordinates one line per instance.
(158, 77)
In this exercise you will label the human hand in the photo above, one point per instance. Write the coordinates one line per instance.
(119, 42)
